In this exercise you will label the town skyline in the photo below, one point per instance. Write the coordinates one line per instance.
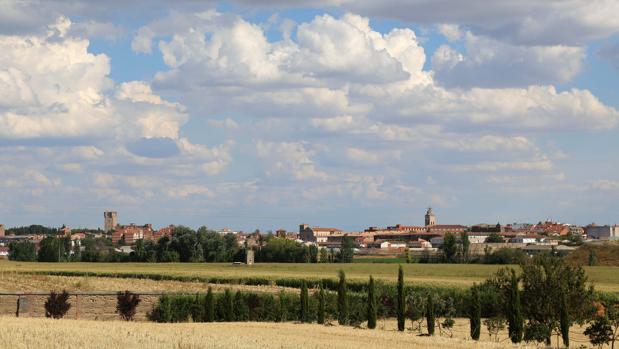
(419, 222)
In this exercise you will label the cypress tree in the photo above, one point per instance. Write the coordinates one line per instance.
(342, 300)
(514, 311)
(475, 313)
(283, 309)
(228, 306)
(241, 311)
(304, 308)
(371, 304)
(430, 316)
(401, 303)
(209, 313)
(321, 305)
(564, 319)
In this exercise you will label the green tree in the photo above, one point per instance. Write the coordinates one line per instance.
(304, 305)
(342, 300)
(450, 248)
(52, 249)
(228, 304)
(465, 244)
(544, 279)
(24, 251)
(283, 309)
(346, 254)
(564, 319)
(475, 313)
(209, 315)
(415, 310)
(430, 315)
(401, 300)
(241, 312)
(321, 305)
(494, 238)
(514, 310)
(599, 331)
(372, 306)
(593, 257)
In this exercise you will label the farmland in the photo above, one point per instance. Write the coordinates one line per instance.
(46, 333)
(444, 275)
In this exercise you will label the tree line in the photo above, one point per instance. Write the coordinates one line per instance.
(185, 246)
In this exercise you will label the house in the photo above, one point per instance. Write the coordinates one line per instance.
(316, 234)
(132, 233)
(405, 228)
(392, 245)
(166, 231)
(420, 243)
(64, 231)
(446, 228)
(551, 228)
(76, 239)
(530, 239)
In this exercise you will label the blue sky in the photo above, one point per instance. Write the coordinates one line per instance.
(336, 113)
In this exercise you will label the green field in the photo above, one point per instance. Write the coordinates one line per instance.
(458, 275)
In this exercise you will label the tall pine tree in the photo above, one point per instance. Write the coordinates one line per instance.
(564, 318)
(321, 305)
(304, 308)
(514, 311)
(401, 300)
(228, 304)
(209, 313)
(430, 315)
(475, 313)
(371, 304)
(342, 300)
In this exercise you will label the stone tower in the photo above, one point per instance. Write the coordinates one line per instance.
(430, 217)
(110, 220)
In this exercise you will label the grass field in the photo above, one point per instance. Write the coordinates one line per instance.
(46, 333)
(458, 275)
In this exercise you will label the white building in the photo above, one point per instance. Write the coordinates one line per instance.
(526, 239)
(603, 232)
(392, 245)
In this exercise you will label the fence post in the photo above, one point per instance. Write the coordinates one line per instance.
(17, 311)
(77, 305)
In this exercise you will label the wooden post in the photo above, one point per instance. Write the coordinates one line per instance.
(77, 305)
(17, 311)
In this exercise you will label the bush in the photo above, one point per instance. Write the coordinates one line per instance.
(126, 304)
(57, 304)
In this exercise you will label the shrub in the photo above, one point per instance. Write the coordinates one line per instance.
(57, 304)
(126, 304)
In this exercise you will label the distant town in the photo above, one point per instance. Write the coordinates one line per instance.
(417, 242)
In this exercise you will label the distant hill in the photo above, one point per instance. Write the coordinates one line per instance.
(607, 254)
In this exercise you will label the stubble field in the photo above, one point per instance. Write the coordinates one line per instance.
(46, 333)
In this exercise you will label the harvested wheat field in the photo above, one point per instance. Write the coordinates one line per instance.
(46, 333)
(10, 281)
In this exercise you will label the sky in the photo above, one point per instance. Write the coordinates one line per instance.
(340, 113)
